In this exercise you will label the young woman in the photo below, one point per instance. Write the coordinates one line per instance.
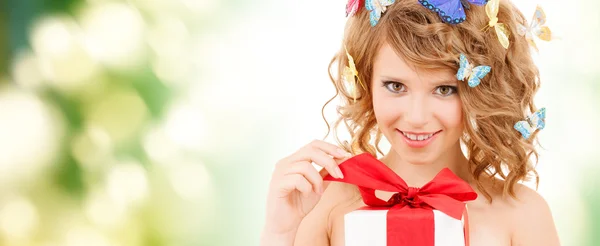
(407, 90)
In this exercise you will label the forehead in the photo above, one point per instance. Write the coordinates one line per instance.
(391, 65)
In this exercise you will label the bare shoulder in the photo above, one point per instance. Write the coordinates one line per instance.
(521, 220)
(315, 228)
(533, 221)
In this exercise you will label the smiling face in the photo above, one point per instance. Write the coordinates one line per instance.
(418, 111)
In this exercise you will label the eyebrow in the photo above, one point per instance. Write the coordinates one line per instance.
(444, 82)
(389, 78)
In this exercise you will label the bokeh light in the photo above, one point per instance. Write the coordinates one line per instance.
(31, 131)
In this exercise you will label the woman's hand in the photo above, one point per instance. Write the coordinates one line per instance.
(296, 187)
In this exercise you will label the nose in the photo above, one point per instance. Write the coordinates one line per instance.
(416, 115)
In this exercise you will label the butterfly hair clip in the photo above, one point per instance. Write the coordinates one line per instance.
(491, 9)
(451, 11)
(350, 75)
(474, 74)
(377, 7)
(536, 28)
(533, 122)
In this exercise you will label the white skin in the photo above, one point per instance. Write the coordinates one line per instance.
(405, 99)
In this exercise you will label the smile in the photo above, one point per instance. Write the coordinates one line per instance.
(418, 140)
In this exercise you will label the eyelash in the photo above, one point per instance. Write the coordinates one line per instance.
(387, 83)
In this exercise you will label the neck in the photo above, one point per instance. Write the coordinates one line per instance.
(417, 175)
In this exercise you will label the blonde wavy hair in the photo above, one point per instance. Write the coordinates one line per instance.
(490, 110)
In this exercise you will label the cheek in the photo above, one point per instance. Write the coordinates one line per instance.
(384, 113)
(450, 114)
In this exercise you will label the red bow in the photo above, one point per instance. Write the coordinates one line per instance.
(410, 207)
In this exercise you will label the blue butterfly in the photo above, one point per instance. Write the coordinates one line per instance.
(533, 122)
(451, 11)
(475, 74)
(377, 7)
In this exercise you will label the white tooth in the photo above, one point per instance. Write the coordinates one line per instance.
(420, 138)
(413, 137)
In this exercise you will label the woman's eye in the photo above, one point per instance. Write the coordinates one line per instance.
(445, 90)
(394, 86)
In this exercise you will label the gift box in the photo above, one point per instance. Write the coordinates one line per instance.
(367, 226)
(432, 215)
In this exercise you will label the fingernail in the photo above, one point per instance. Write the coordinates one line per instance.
(321, 191)
(343, 153)
(339, 172)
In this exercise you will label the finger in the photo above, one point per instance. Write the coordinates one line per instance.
(293, 182)
(330, 149)
(325, 147)
(307, 170)
(320, 158)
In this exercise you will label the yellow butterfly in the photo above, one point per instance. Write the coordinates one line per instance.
(491, 9)
(351, 75)
(536, 28)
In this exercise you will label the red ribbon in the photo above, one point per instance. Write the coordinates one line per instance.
(410, 217)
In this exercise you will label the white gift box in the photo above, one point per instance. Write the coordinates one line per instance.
(369, 228)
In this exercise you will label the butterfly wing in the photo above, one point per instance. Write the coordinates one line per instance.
(450, 11)
(386, 3)
(349, 75)
(524, 128)
(503, 34)
(462, 70)
(481, 71)
(539, 17)
(350, 81)
(351, 64)
(375, 11)
(377, 7)
(544, 33)
(478, 73)
(491, 9)
(474, 81)
(351, 7)
(537, 119)
(522, 30)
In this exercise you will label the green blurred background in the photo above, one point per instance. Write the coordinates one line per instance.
(158, 122)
